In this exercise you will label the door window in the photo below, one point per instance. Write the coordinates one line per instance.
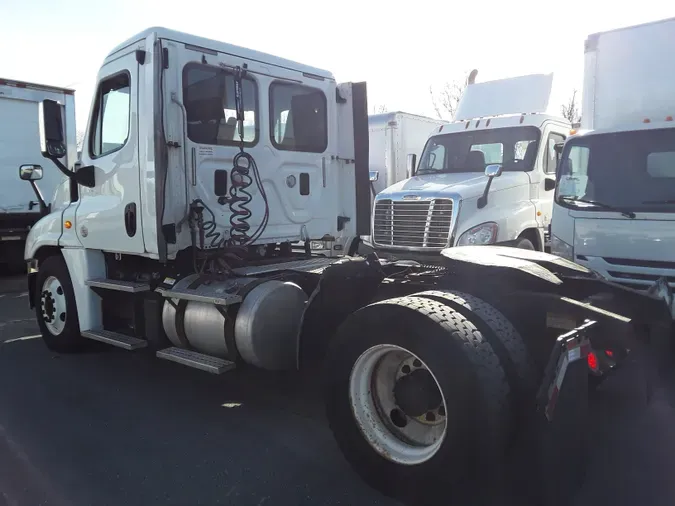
(110, 128)
(210, 104)
(298, 120)
(551, 157)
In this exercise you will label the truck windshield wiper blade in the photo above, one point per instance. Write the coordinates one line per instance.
(627, 214)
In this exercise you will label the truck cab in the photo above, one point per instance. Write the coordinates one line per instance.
(486, 178)
(614, 208)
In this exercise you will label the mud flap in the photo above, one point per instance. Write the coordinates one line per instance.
(553, 446)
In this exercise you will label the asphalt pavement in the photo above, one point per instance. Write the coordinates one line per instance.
(111, 427)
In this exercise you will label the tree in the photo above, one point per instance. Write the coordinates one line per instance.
(379, 109)
(446, 99)
(570, 109)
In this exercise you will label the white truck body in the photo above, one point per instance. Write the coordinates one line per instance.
(500, 122)
(20, 144)
(622, 160)
(392, 136)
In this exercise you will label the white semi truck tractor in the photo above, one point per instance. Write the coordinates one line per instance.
(202, 164)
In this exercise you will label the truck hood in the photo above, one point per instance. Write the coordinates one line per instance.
(647, 237)
(465, 184)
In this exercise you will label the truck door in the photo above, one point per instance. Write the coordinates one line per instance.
(551, 135)
(107, 215)
(289, 130)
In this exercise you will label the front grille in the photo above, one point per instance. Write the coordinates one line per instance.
(413, 224)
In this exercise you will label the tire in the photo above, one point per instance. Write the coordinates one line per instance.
(524, 243)
(502, 336)
(53, 277)
(473, 386)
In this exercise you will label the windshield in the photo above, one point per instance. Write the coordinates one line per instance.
(632, 171)
(514, 148)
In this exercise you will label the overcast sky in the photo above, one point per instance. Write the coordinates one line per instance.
(399, 51)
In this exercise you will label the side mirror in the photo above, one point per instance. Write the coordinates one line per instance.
(30, 172)
(558, 147)
(493, 170)
(549, 184)
(411, 164)
(52, 143)
(374, 175)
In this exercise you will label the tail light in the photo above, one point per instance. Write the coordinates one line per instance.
(592, 361)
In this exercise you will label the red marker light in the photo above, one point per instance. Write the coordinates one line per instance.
(592, 361)
(609, 353)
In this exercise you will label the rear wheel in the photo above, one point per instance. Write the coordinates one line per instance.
(417, 400)
(55, 307)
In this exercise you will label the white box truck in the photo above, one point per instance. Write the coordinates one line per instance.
(392, 136)
(20, 206)
(177, 238)
(485, 179)
(614, 206)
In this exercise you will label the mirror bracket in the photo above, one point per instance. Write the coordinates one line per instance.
(83, 176)
(491, 171)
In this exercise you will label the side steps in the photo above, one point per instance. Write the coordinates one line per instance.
(118, 285)
(115, 339)
(213, 365)
(190, 358)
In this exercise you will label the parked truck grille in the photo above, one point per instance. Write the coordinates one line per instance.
(414, 224)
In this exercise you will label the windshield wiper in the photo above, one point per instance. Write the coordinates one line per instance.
(627, 214)
(665, 201)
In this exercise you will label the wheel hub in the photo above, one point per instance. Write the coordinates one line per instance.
(48, 307)
(53, 305)
(417, 393)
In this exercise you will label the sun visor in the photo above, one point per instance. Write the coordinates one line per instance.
(523, 94)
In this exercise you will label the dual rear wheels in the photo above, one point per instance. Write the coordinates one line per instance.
(421, 394)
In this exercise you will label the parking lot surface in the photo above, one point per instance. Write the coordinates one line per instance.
(111, 427)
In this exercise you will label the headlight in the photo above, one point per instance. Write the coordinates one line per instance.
(561, 248)
(485, 233)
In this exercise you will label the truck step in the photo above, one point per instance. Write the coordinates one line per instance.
(190, 358)
(203, 294)
(314, 265)
(115, 339)
(118, 285)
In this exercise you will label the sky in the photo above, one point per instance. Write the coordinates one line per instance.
(400, 51)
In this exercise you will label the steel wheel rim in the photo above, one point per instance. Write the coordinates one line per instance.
(53, 305)
(373, 379)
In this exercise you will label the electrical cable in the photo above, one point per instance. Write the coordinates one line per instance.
(240, 177)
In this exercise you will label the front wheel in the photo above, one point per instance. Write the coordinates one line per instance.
(417, 400)
(524, 243)
(55, 307)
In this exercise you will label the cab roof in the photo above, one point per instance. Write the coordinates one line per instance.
(220, 47)
(501, 121)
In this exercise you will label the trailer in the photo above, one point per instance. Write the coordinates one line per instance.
(19, 144)
(440, 382)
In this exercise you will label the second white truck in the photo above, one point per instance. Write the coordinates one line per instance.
(615, 202)
(486, 178)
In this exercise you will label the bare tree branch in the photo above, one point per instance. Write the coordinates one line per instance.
(446, 99)
(570, 109)
(379, 109)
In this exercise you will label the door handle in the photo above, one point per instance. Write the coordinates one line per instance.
(130, 219)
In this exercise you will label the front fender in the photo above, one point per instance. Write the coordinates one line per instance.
(46, 232)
